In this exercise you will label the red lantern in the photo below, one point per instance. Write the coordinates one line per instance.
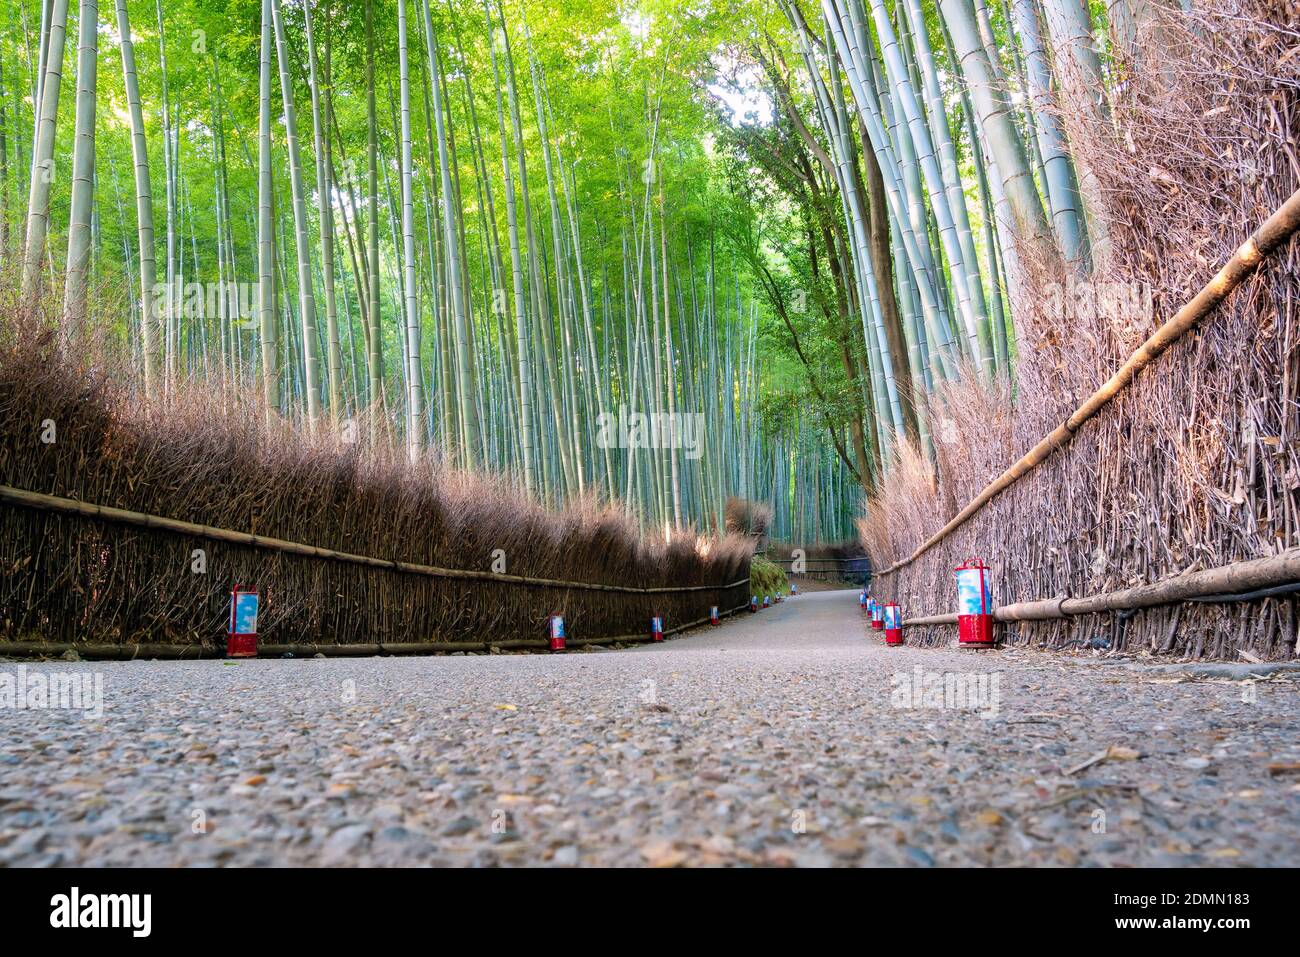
(877, 615)
(241, 634)
(863, 601)
(974, 604)
(893, 624)
(753, 604)
(657, 628)
(557, 633)
(713, 615)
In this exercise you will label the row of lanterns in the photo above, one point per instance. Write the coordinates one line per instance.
(557, 633)
(558, 636)
(657, 621)
(241, 631)
(557, 639)
(974, 609)
(885, 617)
(767, 601)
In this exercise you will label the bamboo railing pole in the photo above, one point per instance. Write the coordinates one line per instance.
(1236, 578)
(928, 620)
(1246, 576)
(1274, 231)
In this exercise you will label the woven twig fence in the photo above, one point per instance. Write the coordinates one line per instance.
(122, 525)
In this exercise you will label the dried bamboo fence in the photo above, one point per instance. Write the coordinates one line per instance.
(123, 535)
(1188, 466)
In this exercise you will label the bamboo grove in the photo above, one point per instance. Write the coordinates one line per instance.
(924, 180)
(497, 231)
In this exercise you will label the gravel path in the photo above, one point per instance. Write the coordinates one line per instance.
(774, 739)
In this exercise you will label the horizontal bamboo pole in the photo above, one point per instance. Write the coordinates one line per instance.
(1236, 578)
(120, 652)
(928, 620)
(1275, 230)
(70, 506)
(130, 652)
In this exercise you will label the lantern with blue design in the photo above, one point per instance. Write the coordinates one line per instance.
(557, 633)
(863, 601)
(974, 605)
(794, 589)
(877, 615)
(753, 604)
(657, 628)
(893, 624)
(241, 633)
(713, 615)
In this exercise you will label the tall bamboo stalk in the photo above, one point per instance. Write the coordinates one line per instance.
(301, 228)
(43, 172)
(376, 353)
(984, 81)
(265, 224)
(83, 170)
(468, 445)
(415, 383)
(325, 201)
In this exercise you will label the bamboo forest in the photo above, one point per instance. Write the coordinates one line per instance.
(911, 352)
(480, 227)
(486, 228)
